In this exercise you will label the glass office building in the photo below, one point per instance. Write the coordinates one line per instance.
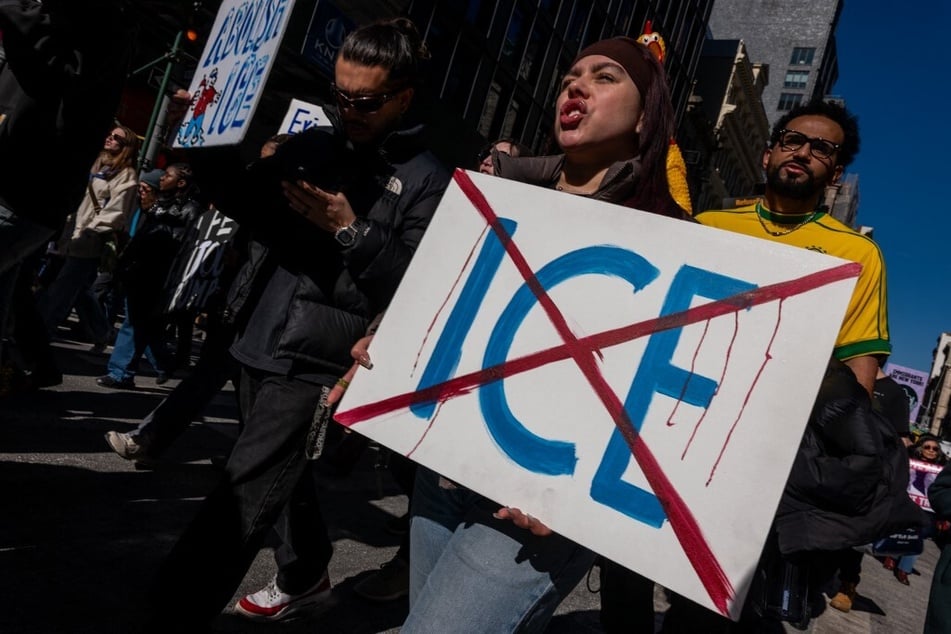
(497, 65)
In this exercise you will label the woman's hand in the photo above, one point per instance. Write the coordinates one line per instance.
(360, 358)
(327, 210)
(523, 520)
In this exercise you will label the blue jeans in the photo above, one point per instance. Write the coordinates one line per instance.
(470, 572)
(124, 360)
(906, 563)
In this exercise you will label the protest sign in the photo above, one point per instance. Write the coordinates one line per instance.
(921, 475)
(232, 71)
(913, 383)
(640, 384)
(195, 278)
(302, 115)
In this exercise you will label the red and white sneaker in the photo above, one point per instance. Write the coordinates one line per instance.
(270, 603)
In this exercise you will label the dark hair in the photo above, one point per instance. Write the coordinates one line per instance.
(277, 139)
(830, 110)
(653, 192)
(916, 449)
(518, 149)
(184, 172)
(393, 44)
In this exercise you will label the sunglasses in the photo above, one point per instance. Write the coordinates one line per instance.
(121, 140)
(790, 140)
(486, 153)
(929, 448)
(364, 104)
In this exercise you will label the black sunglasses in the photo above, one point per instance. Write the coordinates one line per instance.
(790, 140)
(487, 152)
(121, 140)
(363, 104)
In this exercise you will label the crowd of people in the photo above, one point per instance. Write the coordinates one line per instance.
(330, 219)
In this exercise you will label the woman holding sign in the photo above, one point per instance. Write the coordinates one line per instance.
(928, 450)
(476, 567)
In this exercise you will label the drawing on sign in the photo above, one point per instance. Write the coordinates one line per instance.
(232, 70)
(659, 501)
(195, 279)
(191, 131)
(921, 475)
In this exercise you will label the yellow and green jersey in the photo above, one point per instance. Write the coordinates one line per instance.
(865, 328)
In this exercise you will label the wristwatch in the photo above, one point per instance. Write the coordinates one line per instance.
(347, 236)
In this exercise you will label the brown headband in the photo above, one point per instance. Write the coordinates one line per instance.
(626, 52)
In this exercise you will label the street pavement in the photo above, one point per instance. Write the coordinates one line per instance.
(82, 530)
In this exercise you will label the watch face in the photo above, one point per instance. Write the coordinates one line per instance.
(346, 236)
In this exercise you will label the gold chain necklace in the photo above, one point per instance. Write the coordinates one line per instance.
(777, 234)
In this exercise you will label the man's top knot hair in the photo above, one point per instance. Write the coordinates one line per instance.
(393, 44)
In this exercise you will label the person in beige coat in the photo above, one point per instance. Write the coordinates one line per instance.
(90, 233)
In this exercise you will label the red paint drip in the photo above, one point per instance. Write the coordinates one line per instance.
(426, 432)
(682, 522)
(746, 399)
(726, 363)
(684, 525)
(442, 306)
(693, 365)
(463, 384)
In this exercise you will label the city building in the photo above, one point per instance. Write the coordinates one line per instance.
(495, 69)
(936, 402)
(727, 131)
(842, 199)
(497, 66)
(796, 40)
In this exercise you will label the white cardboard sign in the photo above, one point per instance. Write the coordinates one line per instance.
(533, 326)
(302, 115)
(232, 71)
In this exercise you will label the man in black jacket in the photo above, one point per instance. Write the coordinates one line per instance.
(143, 268)
(321, 267)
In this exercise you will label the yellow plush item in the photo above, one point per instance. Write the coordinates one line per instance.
(676, 168)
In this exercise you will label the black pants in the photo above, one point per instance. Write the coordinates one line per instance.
(404, 472)
(627, 600)
(191, 396)
(265, 471)
(29, 333)
(850, 565)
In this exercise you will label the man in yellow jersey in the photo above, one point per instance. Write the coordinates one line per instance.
(820, 514)
(809, 149)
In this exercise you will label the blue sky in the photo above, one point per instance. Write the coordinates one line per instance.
(894, 73)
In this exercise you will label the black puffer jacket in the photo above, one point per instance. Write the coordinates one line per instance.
(395, 187)
(147, 259)
(848, 484)
(59, 89)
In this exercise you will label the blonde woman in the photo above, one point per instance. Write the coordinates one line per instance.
(107, 205)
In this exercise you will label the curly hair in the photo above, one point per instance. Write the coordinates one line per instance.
(830, 110)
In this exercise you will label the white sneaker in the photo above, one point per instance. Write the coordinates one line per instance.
(270, 603)
(127, 446)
